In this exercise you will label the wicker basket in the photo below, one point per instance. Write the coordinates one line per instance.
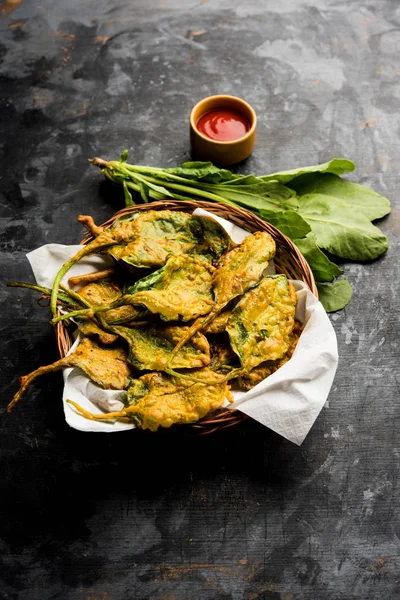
(288, 260)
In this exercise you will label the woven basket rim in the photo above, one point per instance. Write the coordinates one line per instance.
(225, 417)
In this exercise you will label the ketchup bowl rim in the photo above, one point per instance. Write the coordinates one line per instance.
(240, 102)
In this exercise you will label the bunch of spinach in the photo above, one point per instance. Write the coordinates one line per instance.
(321, 212)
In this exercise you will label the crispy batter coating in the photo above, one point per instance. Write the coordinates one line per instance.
(158, 400)
(249, 380)
(213, 241)
(154, 235)
(218, 324)
(150, 347)
(90, 328)
(181, 290)
(262, 321)
(108, 367)
(104, 292)
(125, 314)
(97, 293)
(161, 401)
(241, 269)
(237, 271)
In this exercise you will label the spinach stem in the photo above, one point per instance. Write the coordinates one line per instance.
(115, 170)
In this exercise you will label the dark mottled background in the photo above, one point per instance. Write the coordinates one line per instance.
(240, 515)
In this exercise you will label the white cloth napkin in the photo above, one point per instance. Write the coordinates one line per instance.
(288, 401)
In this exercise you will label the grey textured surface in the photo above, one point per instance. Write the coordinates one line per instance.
(241, 514)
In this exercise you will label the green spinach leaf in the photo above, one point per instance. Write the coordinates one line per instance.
(334, 296)
(356, 196)
(322, 268)
(336, 166)
(289, 222)
(257, 196)
(340, 229)
(202, 171)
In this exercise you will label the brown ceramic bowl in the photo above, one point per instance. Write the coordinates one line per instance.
(223, 154)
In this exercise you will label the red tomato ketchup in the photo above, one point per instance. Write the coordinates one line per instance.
(223, 125)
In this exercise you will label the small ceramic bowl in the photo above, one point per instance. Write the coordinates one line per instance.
(223, 154)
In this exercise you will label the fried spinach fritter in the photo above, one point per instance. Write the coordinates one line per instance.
(150, 347)
(262, 321)
(158, 400)
(89, 328)
(213, 241)
(107, 293)
(218, 324)
(241, 269)
(237, 271)
(248, 380)
(106, 366)
(167, 400)
(153, 236)
(156, 235)
(193, 272)
(180, 290)
(101, 292)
